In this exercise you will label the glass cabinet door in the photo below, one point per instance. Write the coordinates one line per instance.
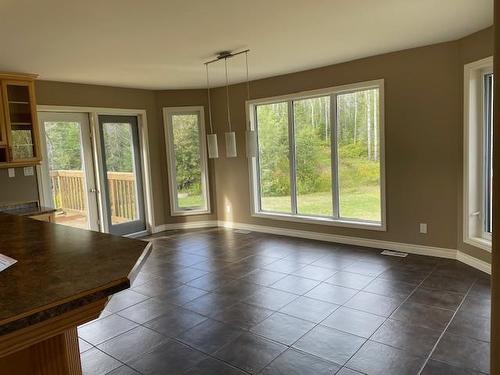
(21, 121)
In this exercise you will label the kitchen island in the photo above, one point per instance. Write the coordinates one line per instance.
(63, 278)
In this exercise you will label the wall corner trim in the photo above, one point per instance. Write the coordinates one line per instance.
(439, 252)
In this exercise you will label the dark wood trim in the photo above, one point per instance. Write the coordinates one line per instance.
(495, 258)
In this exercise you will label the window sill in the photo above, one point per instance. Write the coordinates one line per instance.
(479, 242)
(367, 225)
(190, 212)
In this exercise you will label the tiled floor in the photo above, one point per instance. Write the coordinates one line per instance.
(225, 302)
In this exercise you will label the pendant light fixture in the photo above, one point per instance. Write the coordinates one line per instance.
(230, 135)
(251, 135)
(213, 149)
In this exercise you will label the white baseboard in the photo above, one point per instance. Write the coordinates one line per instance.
(186, 225)
(474, 262)
(356, 241)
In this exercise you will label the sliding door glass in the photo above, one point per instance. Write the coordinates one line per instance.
(274, 162)
(358, 133)
(313, 157)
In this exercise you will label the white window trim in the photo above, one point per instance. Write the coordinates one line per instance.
(175, 210)
(473, 198)
(341, 222)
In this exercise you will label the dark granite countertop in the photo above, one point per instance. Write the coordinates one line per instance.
(30, 210)
(59, 269)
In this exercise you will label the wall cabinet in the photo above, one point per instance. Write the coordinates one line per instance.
(19, 136)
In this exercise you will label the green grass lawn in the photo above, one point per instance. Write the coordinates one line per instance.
(359, 203)
(191, 201)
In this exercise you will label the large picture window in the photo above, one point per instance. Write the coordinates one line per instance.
(187, 163)
(320, 156)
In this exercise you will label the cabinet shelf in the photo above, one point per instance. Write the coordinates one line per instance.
(21, 123)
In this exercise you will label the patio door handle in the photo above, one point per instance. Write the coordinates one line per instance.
(93, 190)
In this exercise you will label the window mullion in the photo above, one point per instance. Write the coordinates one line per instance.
(291, 157)
(334, 156)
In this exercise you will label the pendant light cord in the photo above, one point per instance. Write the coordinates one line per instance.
(248, 81)
(227, 97)
(209, 103)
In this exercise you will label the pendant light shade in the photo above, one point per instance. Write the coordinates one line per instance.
(251, 143)
(231, 145)
(213, 149)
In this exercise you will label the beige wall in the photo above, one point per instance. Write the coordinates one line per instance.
(17, 189)
(423, 128)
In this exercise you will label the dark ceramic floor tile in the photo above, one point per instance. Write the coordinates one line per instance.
(413, 339)
(393, 289)
(243, 315)
(132, 344)
(211, 265)
(211, 281)
(423, 316)
(239, 289)
(283, 328)
(449, 284)
(295, 284)
(210, 336)
(124, 299)
(309, 309)
(123, 370)
(441, 368)
(95, 362)
(366, 268)
(356, 322)
(374, 303)
(84, 345)
(142, 277)
(350, 280)
(156, 287)
(482, 287)
(465, 324)
(175, 321)
(187, 274)
(375, 358)
(330, 344)
(315, 273)
(285, 266)
(335, 262)
(210, 304)
(271, 298)
(463, 352)
(105, 329)
(263, 277)
(404, 275)
(332, 293)
(293, 362)
(181, 295)
(348, 371)
(250, 353)
(168, 358)
(437, 298)
(146, 310)
(211, 366)
(184, 259)
(477, 305)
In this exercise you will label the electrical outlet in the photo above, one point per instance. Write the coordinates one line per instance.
(28, 171)
(423, 228)
(12, 172)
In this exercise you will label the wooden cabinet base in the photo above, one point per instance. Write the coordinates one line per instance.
(49, 347)
(58, 355)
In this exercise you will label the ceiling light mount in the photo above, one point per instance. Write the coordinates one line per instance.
(224, 55)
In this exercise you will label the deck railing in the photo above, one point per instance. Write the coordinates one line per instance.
(69, 192)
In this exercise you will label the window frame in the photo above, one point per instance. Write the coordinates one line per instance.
(475, 150)
(168, 112)
(254, 172)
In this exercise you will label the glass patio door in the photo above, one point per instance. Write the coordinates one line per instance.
(67, 180)
(121, 174)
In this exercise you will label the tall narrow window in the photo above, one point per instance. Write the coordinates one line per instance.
(478, 153)
(320, 156)
(187, 163)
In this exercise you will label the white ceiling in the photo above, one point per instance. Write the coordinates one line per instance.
(162, 44)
